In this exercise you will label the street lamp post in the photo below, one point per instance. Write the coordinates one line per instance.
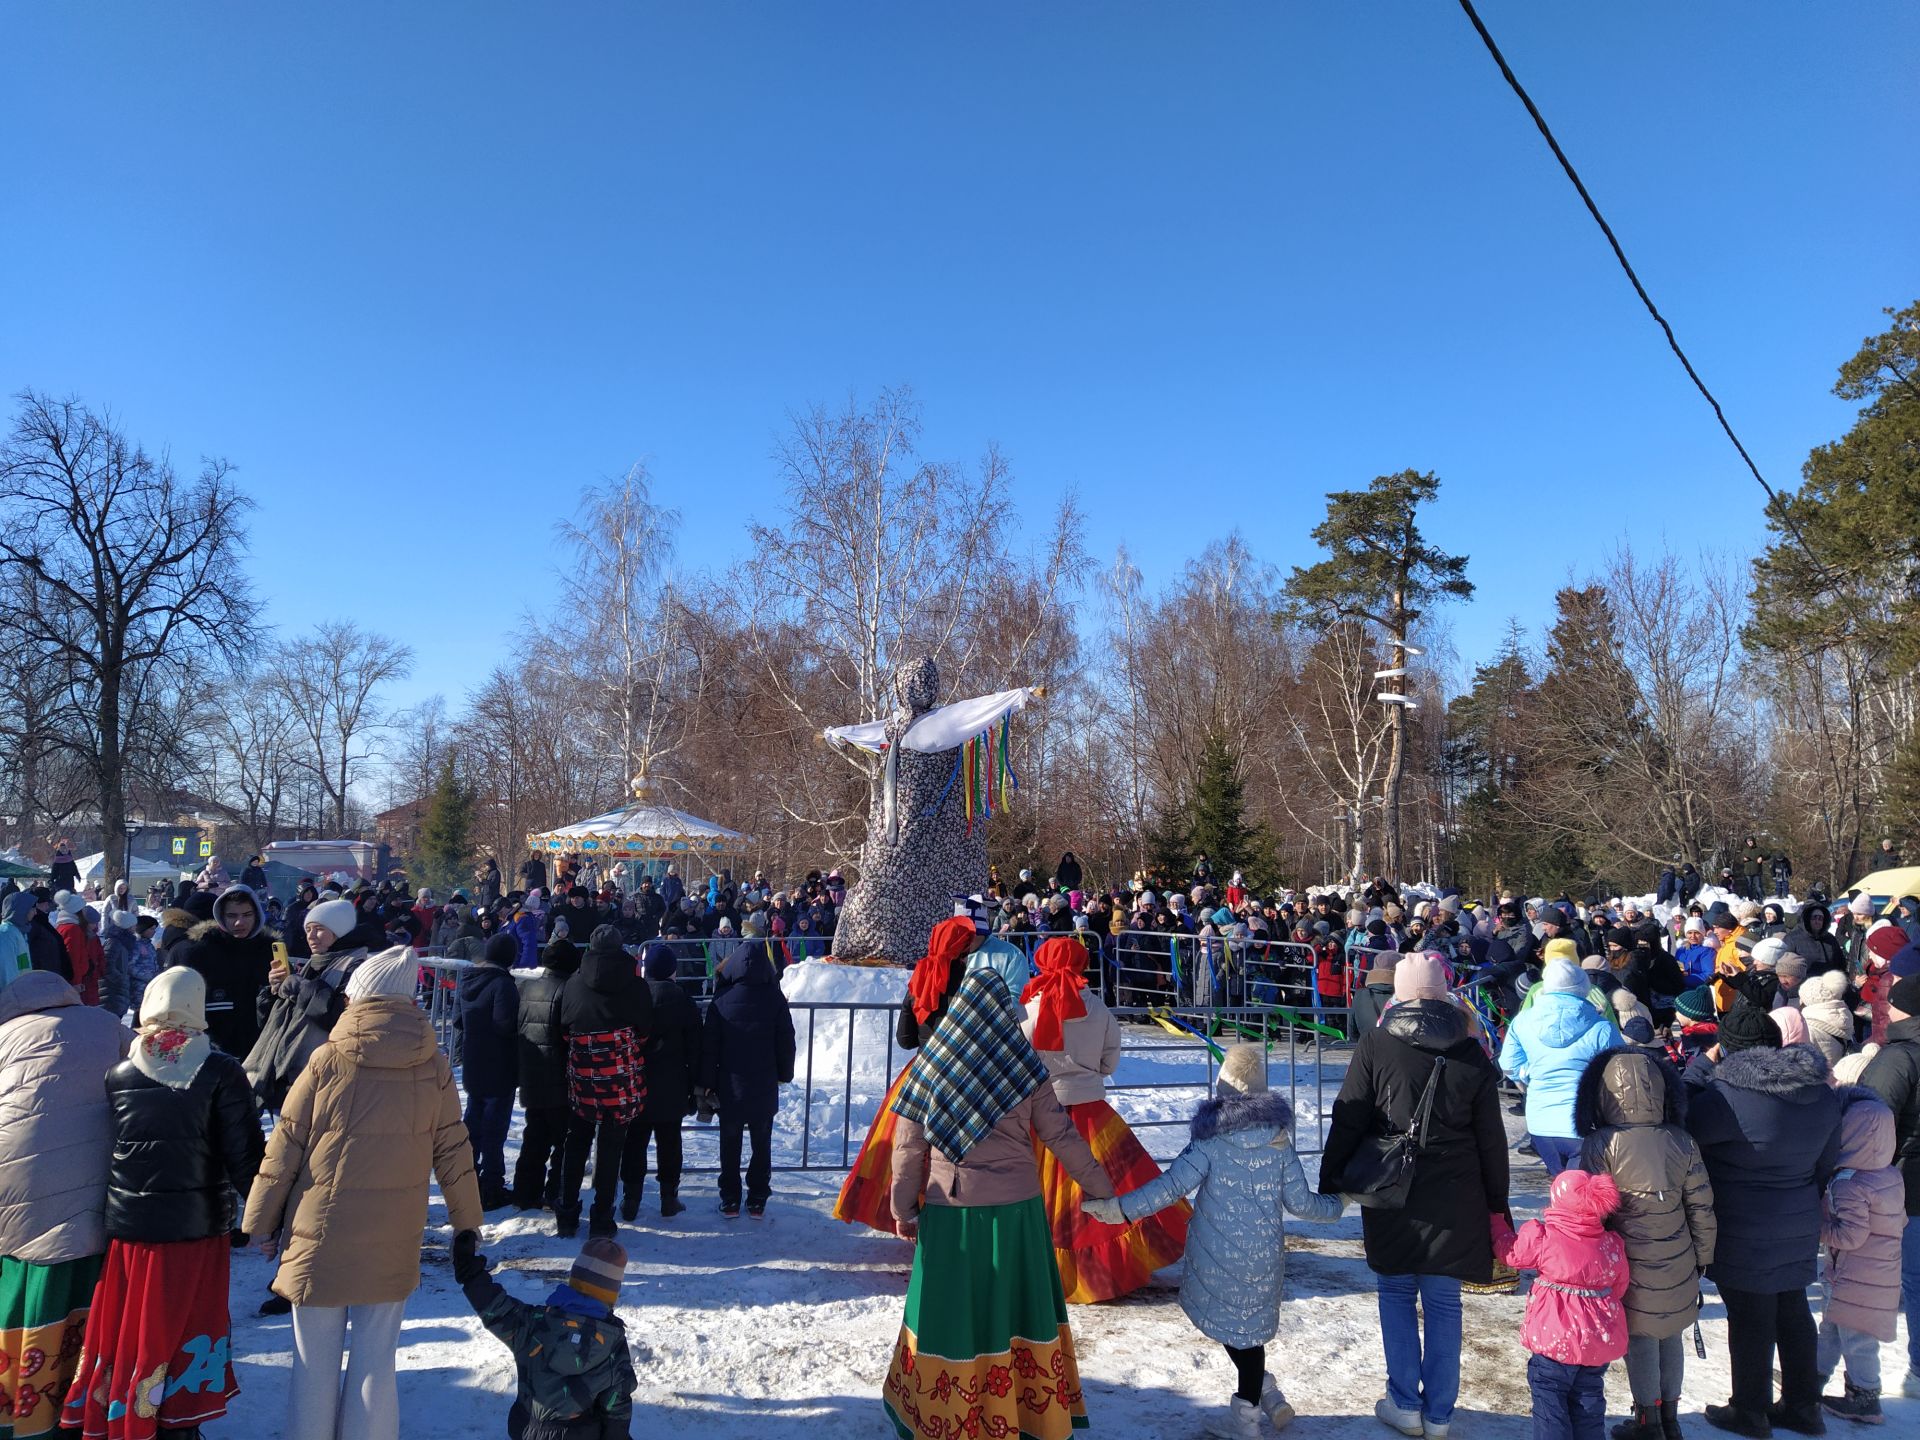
(133, 828)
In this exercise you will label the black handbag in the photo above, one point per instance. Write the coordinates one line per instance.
(1380, 1173)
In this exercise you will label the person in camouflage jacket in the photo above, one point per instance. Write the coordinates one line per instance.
(573, 1367)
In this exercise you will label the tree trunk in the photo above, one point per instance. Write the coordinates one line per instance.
(113, 797)
(1397, 726)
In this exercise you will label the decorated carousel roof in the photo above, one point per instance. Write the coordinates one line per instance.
(644, 830)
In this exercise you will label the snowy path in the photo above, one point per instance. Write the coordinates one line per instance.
(784, 1327)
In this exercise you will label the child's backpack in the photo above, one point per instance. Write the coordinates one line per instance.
(606, 1078)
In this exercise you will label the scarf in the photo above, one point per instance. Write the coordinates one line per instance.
(1062, 965)
(171, 1044)
(950, 940)
(975, 1069)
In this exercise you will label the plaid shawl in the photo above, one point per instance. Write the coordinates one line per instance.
(976, 1068)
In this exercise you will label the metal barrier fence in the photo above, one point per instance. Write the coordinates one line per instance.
(847, 1059)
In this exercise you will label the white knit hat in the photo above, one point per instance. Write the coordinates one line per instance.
(1244, 1070)
(1767, 952)
(1848, 1069)
(393, 972)
(339, 916)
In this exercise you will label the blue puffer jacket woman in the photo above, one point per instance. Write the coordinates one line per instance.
(1242, 1161)
(1547, 1049)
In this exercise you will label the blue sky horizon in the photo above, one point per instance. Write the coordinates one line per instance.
(421, 274)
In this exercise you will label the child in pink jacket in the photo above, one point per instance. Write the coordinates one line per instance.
(1575, 1324)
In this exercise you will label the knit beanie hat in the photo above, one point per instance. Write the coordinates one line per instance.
(1746, 1026)
(1561, 948)
(1886, 940)
(502, 950)
(1418, 978)
(1695, 1004)
(1861, 906)
(1791, 1024)
(391, 973)
(1848, 1069)
(1905, 995)
(68, 903)
(599, 1270)
(1244, 1070)
(339, 916)
(1791, 966)
(1563, 977)
(1767, 952)
(658, 962)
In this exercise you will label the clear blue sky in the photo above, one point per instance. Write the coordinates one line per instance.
(422, 270)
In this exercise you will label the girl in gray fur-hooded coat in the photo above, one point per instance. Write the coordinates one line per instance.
(1242, 1162)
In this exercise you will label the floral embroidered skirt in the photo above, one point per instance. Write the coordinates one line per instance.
(43, 1315)
(157, 1351)
(984, 1349)
(1098, 1261)
(866, 1195)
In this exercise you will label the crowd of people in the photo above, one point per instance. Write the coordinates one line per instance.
(1722, 1089)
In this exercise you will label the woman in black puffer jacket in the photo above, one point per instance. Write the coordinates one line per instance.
(1441, 1236)
(186, 1134)
(1767, 1122)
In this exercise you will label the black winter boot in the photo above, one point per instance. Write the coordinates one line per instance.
(1670, 1419)
(1755, 1426)
(1801, 1419)
(630, 1205)
(1858, 1404)
(670, 1205)
(1643, 1424)
(566, 1222)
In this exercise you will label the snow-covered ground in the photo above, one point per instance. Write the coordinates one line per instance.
(756, 1328)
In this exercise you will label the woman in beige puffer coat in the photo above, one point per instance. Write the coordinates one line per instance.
(342, 1196)
(1630, 1109)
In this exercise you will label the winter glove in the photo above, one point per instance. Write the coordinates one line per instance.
(1107, 1212)
(239, 1239)
(709, 1106)
(468, 1263)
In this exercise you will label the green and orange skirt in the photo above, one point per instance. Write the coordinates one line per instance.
(984, 1347)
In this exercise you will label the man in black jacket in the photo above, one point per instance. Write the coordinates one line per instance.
(543, 1078)
(673, 1074)
(606, 1013)
(1894, 1074)
(233, 952)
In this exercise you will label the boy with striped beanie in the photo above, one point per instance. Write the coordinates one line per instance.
(572, 1363)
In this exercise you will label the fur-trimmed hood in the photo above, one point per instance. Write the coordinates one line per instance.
(1797, 1073)
(1225, 1114)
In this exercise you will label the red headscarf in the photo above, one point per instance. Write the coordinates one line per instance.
(950, 940)
(1062, 962)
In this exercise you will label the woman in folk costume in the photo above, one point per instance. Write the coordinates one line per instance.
(984, 1346)
(157, 1358)
(1078, 1040)
(865, 1194)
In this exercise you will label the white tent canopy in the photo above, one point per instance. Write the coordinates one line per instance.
(147, 871)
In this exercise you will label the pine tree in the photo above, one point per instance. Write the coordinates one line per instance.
(1381, 571)
(1217, 818)
(446, 834)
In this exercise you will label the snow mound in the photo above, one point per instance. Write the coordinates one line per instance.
(843, 1043)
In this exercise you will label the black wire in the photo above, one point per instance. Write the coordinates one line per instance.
(1776, 503)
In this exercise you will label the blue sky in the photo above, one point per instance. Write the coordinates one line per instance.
(421, 271)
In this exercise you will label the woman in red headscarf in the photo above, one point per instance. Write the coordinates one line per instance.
(1078, 1040)
(865, 1195)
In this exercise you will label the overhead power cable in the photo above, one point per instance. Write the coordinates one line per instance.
(1777, 504)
